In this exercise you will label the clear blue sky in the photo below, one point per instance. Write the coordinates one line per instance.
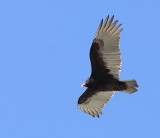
(44, 47)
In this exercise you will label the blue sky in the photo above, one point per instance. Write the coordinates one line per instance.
(44, 47)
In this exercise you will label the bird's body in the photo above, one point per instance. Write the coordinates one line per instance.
(105, 60)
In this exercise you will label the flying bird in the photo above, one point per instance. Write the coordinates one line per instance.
(105, 60)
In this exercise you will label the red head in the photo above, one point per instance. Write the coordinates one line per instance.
(84, 84)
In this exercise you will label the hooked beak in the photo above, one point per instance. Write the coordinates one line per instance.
(83, 84)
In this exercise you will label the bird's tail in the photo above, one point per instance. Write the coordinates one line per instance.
(131, 86)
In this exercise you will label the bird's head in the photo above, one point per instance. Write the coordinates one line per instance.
(88, 83)
(84, 84)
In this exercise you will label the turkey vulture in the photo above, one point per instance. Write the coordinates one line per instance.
(105, 60)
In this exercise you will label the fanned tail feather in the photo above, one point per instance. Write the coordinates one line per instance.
(131, 86)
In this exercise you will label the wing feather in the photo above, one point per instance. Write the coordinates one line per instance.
(92, 101)
(109, 23)
(115, 28)
(108, 41)
(99, 27)
(104, 24)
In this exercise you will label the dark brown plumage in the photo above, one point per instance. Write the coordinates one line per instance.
(105, 60)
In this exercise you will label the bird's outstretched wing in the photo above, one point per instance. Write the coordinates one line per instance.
(92, 101)
(105, 55)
